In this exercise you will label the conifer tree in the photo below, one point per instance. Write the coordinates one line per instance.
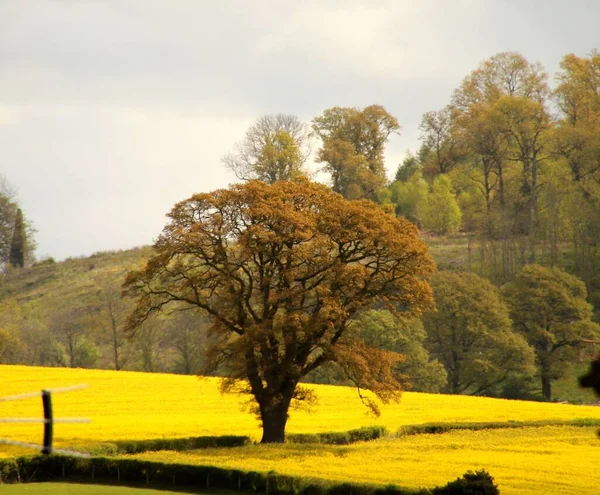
(19, 242)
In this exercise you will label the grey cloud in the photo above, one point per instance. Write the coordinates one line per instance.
(112, 111)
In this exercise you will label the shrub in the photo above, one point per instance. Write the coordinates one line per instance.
(478, 483)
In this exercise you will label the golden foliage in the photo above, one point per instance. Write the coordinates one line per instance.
(281, 270)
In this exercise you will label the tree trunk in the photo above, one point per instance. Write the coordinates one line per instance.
(274, 409)
(533, 210)
(546, 387)
(273, 423)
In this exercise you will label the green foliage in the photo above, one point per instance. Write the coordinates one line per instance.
(471, 483)
(274, 148)
(339, 437)
(382, 329)
(176, 444)
(407, 168)
(11, 348)
(40, 305)
(471, 334)
(353, 148)
(54, 488)
(443, 214)
(411, 198)
(438, 428)
(18, 245)
(441, 149)
(549, 308)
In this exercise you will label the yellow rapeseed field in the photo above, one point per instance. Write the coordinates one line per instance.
(133, 405)
(548, 460)
(130, 405)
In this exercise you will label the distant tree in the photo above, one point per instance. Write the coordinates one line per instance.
(471, 335)
(578, 138)
(275, 148)
(110, 319)
(73, 346)
(353, 144)
(528, 126)
(380, 328)
(19, 242)
(150, 342)
(576, 143)
(16, 240)
(11, 348)
(281, 270)
(440, 138)
(187, 335)
(549, 308)
(443, 214)
(411, 198)
(407, 168)
(500, 117)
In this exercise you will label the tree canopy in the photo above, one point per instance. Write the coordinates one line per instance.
(274, 148)
(549, 308)
(471, 334)
(353, 146)
(281, 270)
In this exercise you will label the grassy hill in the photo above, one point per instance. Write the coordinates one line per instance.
(67, 281)
(35, 301)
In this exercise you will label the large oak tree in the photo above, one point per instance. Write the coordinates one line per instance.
(281, 270)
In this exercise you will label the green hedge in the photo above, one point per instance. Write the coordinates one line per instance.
(134, 472)
(490, 425)
(191, 443)
(339, 437)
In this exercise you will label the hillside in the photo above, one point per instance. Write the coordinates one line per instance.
(50, 285)
(66, 281)
(65, 313)
(76, 303)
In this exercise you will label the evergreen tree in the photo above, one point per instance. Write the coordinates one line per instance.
(19, 242)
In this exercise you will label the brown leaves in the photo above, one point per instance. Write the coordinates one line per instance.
(371, 368)
(280, 269)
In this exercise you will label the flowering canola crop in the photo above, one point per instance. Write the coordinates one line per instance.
(549, 460)
(131, 405)
(134, 405)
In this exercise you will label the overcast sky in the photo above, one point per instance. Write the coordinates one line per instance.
(111, 111)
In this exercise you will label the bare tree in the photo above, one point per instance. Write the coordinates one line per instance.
(113, 310)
